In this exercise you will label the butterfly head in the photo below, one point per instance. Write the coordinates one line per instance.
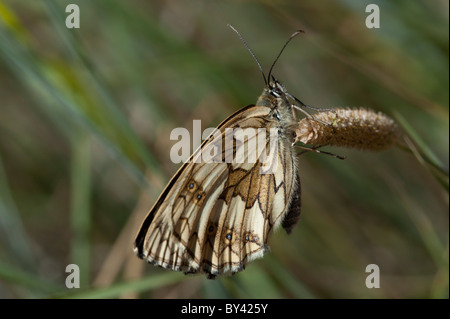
(274, 95)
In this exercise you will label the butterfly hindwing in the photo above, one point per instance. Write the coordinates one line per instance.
(216, 216)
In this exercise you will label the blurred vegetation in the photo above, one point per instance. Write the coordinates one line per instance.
(84, 137)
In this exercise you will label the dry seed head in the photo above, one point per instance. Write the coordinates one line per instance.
(355, 128)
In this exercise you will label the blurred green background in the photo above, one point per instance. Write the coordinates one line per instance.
(84, 142)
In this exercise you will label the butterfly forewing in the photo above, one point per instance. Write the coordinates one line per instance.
(215, 216)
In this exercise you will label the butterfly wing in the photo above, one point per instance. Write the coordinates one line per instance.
(216, 216)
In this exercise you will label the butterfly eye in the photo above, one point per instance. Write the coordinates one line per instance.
(199, 197)
(228, 237)
(191, 186)
(276, 92)
(211, 230)
(251, 237)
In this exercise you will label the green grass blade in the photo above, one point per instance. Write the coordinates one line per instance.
(144, 284)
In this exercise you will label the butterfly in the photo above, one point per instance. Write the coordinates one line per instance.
(214, 217)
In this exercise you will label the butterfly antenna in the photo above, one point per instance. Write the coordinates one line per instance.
(282, 49)
(249, 50)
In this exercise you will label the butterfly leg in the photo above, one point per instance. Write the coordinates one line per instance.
(315, 150)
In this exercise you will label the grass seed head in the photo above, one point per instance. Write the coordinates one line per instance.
(354, 128)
